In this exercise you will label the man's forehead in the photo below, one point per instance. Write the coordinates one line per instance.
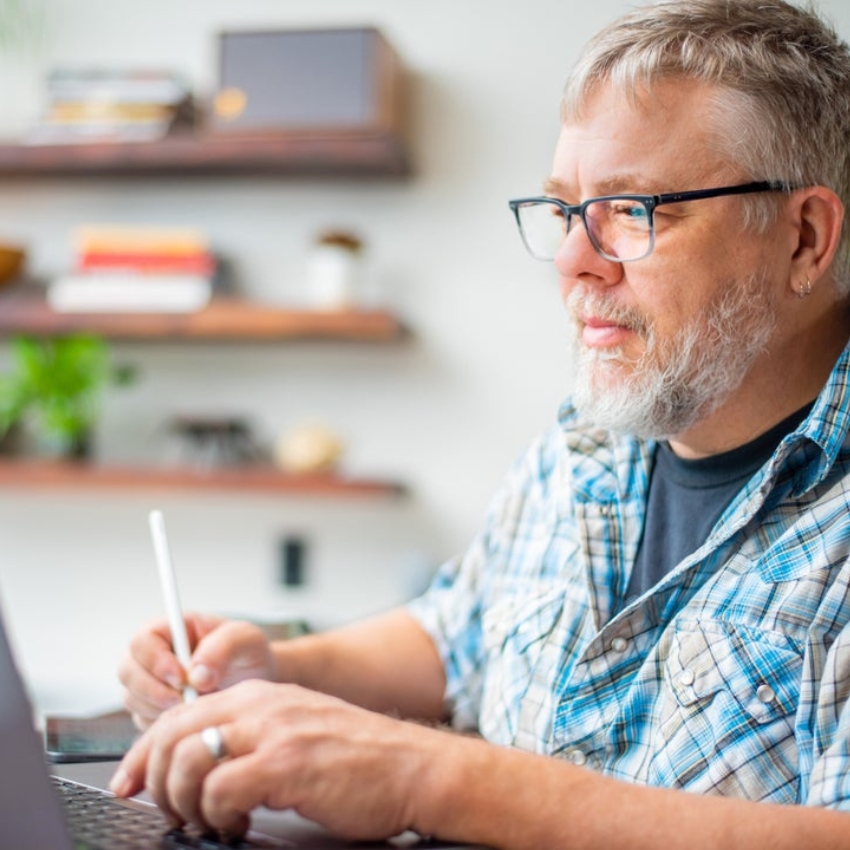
(657, 100)
(658, 142)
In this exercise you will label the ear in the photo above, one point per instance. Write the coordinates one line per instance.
(818, 216)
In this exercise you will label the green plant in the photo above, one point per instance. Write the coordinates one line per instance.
(56, 388)
(22, 24)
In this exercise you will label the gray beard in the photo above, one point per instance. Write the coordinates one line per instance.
(680, 381)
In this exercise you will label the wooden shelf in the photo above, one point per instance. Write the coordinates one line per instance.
(225, 319)
(336, 154)
(373, 146)
(59, 475)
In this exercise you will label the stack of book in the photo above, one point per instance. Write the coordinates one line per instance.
(111, 106)
(136, 269)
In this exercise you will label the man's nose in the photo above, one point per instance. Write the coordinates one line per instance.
(577, 258)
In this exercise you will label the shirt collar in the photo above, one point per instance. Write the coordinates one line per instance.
(823, 433)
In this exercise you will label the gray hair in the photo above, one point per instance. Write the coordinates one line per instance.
(782, 76)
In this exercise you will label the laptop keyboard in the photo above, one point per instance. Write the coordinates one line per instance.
(100, 822)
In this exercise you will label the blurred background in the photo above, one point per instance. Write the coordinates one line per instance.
(439, 413)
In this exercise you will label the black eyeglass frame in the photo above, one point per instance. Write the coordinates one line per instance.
(650, 202)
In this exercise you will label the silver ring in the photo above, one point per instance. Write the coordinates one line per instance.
(214, 742)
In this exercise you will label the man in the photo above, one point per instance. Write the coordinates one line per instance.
(657, 603)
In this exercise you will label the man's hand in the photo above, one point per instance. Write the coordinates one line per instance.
(367, 776)
(223, 652)
(355, 771)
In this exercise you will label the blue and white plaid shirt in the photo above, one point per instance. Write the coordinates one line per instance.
(731, 676)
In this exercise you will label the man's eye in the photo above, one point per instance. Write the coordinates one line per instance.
(626, 210)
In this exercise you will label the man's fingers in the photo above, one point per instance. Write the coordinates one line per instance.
(181, 722)
(211, 658)
(140, 721)
(179, 763)
(228, 654)
(191, 763)
(129, 778)
(148, 761)
(145, 765)
(147, 696)
(232, 790)
(149, 669)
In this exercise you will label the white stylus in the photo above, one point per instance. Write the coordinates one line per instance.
(179, 638)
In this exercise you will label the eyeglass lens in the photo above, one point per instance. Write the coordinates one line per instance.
(619, 229)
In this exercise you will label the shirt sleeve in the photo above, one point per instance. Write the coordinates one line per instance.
(452, 608)
(449, 611)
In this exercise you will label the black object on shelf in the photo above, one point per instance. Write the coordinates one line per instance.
(216, 442)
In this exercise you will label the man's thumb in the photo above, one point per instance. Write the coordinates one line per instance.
(203, 678)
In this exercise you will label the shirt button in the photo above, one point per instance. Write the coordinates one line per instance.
(619, 644)
(577, 757)
(765, 693)
(687, 677)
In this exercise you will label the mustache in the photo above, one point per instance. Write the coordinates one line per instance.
(583, 302)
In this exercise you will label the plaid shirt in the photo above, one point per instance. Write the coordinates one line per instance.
(731, 676)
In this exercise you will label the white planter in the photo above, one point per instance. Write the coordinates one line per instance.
(332, 277)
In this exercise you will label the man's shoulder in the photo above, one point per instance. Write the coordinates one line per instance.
(573, 450)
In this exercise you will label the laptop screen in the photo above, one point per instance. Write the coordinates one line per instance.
(30, 814)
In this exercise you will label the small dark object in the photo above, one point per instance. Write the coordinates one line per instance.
(214, 442)
(292, 562)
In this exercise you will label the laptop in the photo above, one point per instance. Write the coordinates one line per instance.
(69, 809)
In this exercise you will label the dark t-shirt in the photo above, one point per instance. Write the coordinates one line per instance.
(687, 497)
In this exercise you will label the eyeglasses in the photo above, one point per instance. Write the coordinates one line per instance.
(620, 227)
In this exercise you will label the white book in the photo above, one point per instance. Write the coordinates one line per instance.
(129, 293)
(116, 86)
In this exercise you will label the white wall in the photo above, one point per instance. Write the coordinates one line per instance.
(445, 413)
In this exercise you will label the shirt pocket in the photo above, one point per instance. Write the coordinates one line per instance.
(726, 720)
(515, 631)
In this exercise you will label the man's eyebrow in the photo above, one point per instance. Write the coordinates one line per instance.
(554, 187)
(620, 184)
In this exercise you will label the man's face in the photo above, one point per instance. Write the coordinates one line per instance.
(661, 342)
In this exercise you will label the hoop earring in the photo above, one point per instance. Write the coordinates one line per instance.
(805, 289)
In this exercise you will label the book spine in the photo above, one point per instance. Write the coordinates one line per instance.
(117, 293)
(147, 263)
(72, 112)
(139, 240)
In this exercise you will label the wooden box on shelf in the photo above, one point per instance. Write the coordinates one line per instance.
(346, 79)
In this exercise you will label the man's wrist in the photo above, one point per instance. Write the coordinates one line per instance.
(288, 662)
(452, 779)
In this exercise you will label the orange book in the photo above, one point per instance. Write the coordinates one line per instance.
(201, 263)
(129, 239)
